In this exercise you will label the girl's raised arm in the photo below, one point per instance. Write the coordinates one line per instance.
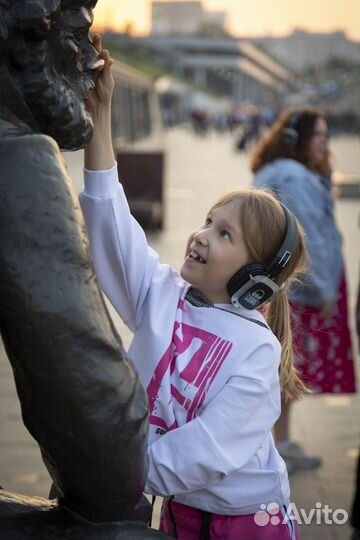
(99, 154)
(127, 269)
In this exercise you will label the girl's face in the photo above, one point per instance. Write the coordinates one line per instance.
(318, 144)
(214, 253)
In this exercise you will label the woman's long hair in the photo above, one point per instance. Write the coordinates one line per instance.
(263, 222)
(274, 145)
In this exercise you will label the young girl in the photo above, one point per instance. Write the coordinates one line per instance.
(211, 369)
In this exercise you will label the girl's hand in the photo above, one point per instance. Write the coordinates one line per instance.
(99, 153)
(100, 97)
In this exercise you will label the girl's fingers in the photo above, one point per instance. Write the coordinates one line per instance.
(103, 53)
(106, 56)
(104, 60)
(96, 39)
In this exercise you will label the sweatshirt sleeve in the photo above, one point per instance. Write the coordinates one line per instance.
(124, 263)
(225, 435)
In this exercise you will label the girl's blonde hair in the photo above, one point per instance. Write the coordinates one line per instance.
(263, 223)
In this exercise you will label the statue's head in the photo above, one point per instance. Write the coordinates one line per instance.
(47, 65)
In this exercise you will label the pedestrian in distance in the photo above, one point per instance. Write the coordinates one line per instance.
(293, 161)
(213, 366)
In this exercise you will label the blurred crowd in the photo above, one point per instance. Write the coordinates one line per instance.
(246, 122)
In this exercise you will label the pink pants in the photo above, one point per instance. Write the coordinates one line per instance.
(187, 523)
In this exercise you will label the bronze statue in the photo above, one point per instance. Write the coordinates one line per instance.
(80, 399)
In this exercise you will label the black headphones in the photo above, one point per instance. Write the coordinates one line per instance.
(290, 134)
(255, 284)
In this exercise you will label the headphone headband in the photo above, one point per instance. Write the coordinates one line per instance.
(287, 248)
(255, 284)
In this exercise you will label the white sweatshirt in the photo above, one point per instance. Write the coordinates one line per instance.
(211, 373)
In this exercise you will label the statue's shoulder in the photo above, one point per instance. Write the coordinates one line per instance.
(18, 135)
(27, 142)
(28, 151)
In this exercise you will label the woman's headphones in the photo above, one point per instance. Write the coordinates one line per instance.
(255, 284)
(290, 133)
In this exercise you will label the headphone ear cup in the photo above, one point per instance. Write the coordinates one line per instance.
(290, 137)
(242, 276)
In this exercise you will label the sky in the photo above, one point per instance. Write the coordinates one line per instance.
(247, 17)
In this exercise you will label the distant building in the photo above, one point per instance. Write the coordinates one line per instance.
(302, 50)
(168, 18)
(216, 18)
(225, 66)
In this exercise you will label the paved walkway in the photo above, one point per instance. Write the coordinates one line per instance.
(197, 171)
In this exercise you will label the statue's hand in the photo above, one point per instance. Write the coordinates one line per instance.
(99, 98)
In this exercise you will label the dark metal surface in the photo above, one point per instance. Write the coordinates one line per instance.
(30, 518)
(46, 66)
(80, 399)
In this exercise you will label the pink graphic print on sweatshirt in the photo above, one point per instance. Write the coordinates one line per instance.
(189, 367)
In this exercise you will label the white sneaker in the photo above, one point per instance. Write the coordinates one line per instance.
(296, 458)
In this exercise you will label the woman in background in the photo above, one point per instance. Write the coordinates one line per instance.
(293, 161)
